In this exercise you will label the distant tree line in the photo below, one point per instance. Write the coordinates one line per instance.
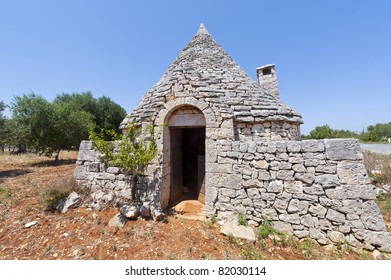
(47, 128)
(374, 133)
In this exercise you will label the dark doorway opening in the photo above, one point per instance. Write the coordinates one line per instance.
(187, 164)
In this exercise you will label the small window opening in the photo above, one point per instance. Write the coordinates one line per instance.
(267, 71)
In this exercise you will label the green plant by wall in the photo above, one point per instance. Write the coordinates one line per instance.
(131, 151)
(242, 220)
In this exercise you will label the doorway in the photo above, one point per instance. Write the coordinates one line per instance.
(187, 147)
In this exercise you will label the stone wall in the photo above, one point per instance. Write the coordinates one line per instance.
(314, 188)
(108, 186)
(261, 131)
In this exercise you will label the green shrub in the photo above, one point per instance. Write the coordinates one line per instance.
(265, 229)
(52, 196)
(242, 220)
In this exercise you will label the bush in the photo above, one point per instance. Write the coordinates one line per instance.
(265, 229)
(242, 220)
(53, 194)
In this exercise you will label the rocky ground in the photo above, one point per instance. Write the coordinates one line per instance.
(84, 234)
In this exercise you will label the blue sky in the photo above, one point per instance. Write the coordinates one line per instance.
(333, 58)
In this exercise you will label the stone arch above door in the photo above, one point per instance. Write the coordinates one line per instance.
(171, 106)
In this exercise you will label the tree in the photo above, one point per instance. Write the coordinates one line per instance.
(377, 133)
(48, 128)
(326, 132)
(131, 152)
(2, 126)
(105, 113)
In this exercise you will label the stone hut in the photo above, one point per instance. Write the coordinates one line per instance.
(229, 142)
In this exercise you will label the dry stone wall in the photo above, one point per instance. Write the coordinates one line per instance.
(314, 188)
(108, 186)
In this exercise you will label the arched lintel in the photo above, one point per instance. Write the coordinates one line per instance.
(172, 105)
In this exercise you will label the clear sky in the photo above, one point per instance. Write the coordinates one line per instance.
(333, 58)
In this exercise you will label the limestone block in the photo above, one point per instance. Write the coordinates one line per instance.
(309, 221)
(317, 234)
(314, 189)
(270, 213)
(301, 233)
(352, 173)
(306, 197)
(80, 172)
(253, 193)
(327, 180)
(283, 226)
(329, 168)
(218, 168)
(317, 210)
(336, 236)
(262, 164)
(253, 183)
(298, 206)
(281, 205)
(312, 146)
(343, 149)
(351, 192)
(275, 186)
(352, 206)
(293, 146)
(335, 216)
(268, 196)
(264, 175)
(88, 155)
(238, 231)
(112, 170)
(299, 167)
(290, 218)
(305, 177)
(85, 145)
(285, 175)
(293, 187)
(371, 217)
(228, 192)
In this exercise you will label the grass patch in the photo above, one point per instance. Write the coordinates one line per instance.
(242, 220)
(378, 167)
(250, 252)
(265, 229)
(308, 250)
(52, 196)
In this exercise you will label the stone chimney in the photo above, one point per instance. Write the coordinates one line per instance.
(267, 78)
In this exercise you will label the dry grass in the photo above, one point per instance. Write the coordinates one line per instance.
(378, 167)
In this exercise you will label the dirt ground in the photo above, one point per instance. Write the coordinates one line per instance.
(84, 234)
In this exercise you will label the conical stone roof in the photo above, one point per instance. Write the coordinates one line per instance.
(205, 71)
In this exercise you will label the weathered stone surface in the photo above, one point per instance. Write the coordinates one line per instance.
(371, 217)
(352, 173)
(305, 177)
(30, 224)
(327, 180)
(238, 231)
(351, 192)
(335, 216)
(118, 220)
(130, 212)
(72, 201)
(275, 187)
(312, 146)
(318, 210)
(336, 236)
(342, 149)
(112, 170)
(298, 206)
